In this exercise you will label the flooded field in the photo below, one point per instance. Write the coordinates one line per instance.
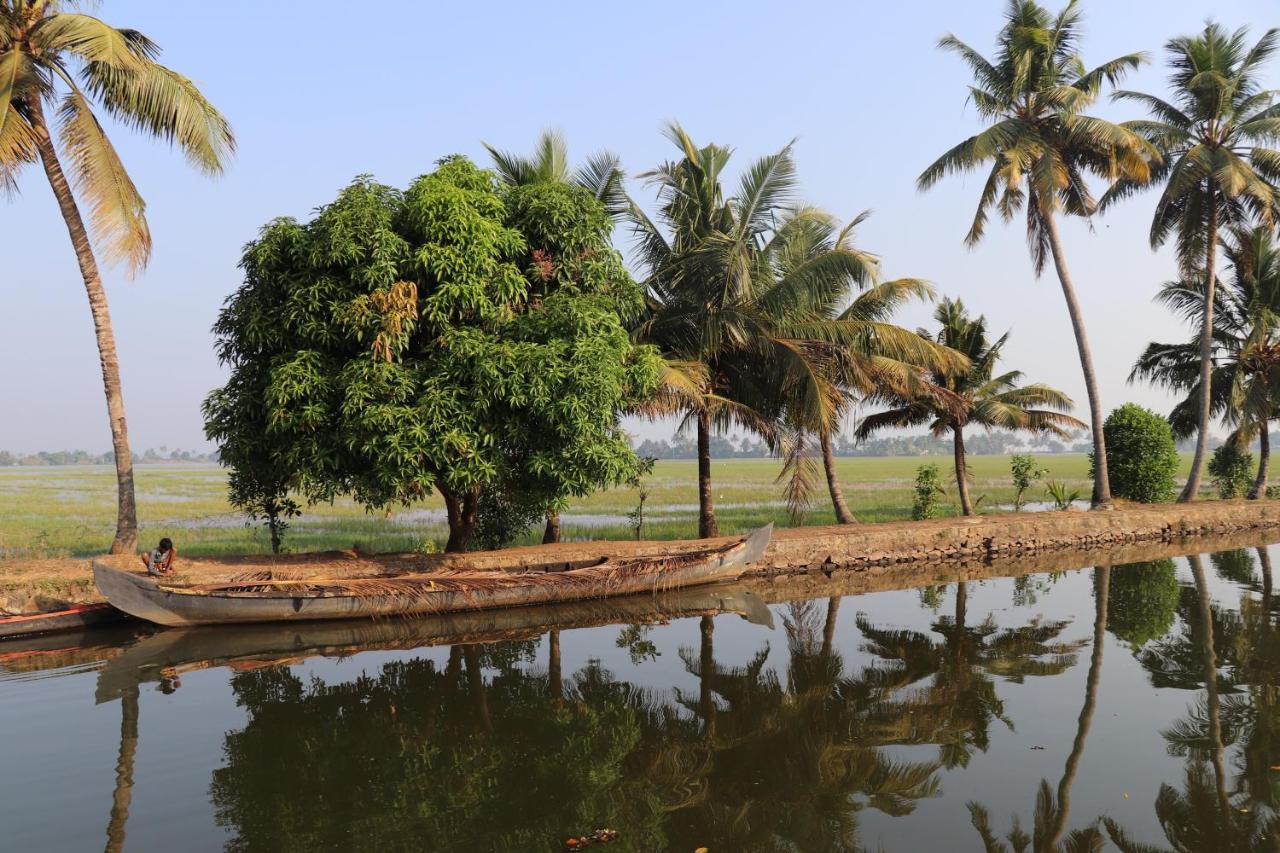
(1106, 705)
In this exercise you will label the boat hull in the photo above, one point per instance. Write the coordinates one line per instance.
(141, 596)
(71, 619)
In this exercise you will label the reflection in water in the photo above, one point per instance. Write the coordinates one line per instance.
(690, 728)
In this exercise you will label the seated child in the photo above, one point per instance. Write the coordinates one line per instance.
(160, 561)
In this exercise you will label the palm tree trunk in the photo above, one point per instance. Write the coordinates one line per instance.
(1101, 481)
(962, 472)
(707, 526)
(1211, 683)
(554, 675)
(552, 532)
(1190, 490)
(1264, 562)
(1259, 489)
(126, 539)
(1101, 594)
(829, 626)
(843, 515)
(706, 668)
(122, 795)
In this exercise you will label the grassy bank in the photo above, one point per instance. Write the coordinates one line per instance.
(69, 512)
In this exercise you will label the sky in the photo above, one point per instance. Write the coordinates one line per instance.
(320, 92)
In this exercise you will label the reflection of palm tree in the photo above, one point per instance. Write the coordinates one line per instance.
(1052, 813)
(956, 708)
(123, 793)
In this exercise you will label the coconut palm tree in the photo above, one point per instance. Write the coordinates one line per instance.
(601, 174)
(52, 59)
(977, 396)
(1040, 147)
(739, 336)
(1244, 382)
(1215, 168)
(879, 355)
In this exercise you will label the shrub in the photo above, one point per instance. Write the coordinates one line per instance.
(1141, 457)
(927, 489)
(1063, 496)
(1025, 472)
(1232, 470)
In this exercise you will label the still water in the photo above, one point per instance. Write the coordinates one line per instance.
(1105, 707)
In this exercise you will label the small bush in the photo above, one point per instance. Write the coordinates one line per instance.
(1232, 470)
(1141, 457)
(1024, 472)
(1063, 496)
(927, 489)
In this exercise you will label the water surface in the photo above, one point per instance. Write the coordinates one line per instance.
(1123, 705)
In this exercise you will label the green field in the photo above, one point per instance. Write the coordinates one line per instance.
(69, 511)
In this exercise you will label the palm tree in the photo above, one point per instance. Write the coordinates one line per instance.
(739, 336)
(601, 174)
(1040, 147)
(977, 396)
(1244, 382)
(878, 355)
(1214, 168)
(50, 57)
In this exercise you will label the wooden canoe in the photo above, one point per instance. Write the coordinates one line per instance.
(73, 618)
(288, 600)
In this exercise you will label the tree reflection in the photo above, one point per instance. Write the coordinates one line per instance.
(1144, 601)
(940, 690)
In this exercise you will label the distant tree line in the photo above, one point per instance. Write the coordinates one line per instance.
(84, 457)
(989, 444)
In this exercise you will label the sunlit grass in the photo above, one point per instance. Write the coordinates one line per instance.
(52, 512)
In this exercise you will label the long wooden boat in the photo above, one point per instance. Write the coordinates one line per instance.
(71, 619)
(259, 599)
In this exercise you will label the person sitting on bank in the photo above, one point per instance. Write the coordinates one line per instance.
(160, 561)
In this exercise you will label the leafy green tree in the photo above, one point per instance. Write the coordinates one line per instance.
(1244, 384)
(1141, 455)
(1216, 168)
(1231, 469)
(742, 333)
(1041, 147)
(460, 336)
(975, 397)
(928, 486)
(53, 57)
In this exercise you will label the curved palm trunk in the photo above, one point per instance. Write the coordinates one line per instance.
(707, 526)
(1211, 684)
(1190, 490)
(1259, 489)
(122, 796)
(1101, 481)
(843, 515)
(553, 664)
(126, 539)
(962, 472)
(552, 532)
(1085, 721)
(1264, 562)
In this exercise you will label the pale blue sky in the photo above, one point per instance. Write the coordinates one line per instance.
(321, 91)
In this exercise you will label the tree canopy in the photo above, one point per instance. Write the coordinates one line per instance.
(459, 336)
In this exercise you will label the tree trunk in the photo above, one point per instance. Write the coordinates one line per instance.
(475, 684)
(1192, 488)
(707, 526)
(1211, 684)
(1264, 562)
(462, 520)
(1101, 595)
(1101, 481)
(552, 532)
(1259, 489)
(829, 626)
(843, 515)
(126, 540)
(962, 472)
(554, 677)
(122, 795)
(706, 668)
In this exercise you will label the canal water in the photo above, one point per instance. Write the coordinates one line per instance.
(1099, 708)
